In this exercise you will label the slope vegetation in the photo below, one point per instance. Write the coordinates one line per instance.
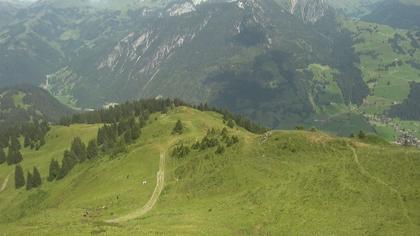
(23, 103)
(282, 182)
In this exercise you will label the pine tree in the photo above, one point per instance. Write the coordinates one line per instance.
(65, 168)
(18, 157)
(92, 149)
(179, 128)
(10, 156)
(29, 181)
(101, 137)
(2, 156)
(135, 133)
(230, 123)
(14, 143)
(120, 147)
(68, 162)
(54, 170)
(128, 136)
(79, 148)
(14, 157)
(220, 149)
(27, 141)
(36, 178)
(19, 177)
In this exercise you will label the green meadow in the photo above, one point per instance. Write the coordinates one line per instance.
(286, 183)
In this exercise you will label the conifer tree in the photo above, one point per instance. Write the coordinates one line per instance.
(65, 168)
(220, 149)
(19, 177)
(2, 156)
(54, 170)
(179, 128)
(36, 178)
(101, 136)
(120, 147)
(92, 149)
(14, 143)
(230, 123)
(14, 157)
(27, 141)
(29, 181)
(128, 136)
(67, 164)
(79, 148)
(135, 133)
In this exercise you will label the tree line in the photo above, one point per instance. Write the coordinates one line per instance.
(219, 139)
(122, 127)
(33, 134)
(147, 106)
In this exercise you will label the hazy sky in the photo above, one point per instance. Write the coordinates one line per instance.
(22, 0)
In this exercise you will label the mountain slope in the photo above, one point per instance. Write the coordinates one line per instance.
(403, 14)
(191, 50)
(24, 103)
(290, 181)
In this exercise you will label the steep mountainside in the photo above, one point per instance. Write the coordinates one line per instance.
(24, 103)
(308, 183)
(403, 14)
(7, 13)
(354, 8)
(265, 53)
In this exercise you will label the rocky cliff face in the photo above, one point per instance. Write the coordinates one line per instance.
(310, 11)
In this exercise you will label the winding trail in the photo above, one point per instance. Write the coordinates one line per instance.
(4, 185)
(153, 199)
(378, 180)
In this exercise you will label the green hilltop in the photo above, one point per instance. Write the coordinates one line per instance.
(281, 182)
(23, 103)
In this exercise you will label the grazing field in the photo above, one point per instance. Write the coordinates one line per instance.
(389, 60)
(285, 182)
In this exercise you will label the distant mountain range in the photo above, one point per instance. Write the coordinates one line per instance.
(279, 62)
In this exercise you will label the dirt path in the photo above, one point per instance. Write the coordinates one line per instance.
(153, 199)
(4, 185)
(381, 182)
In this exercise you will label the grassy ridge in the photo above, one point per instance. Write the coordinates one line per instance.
(293, 182)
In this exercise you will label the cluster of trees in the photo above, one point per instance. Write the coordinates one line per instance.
(231, 120)
(33, 134)
(143, 108)
(214, 138)
(112, 138)
(181, 151)
(78, 153)
(33, 180)
(14, 156)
